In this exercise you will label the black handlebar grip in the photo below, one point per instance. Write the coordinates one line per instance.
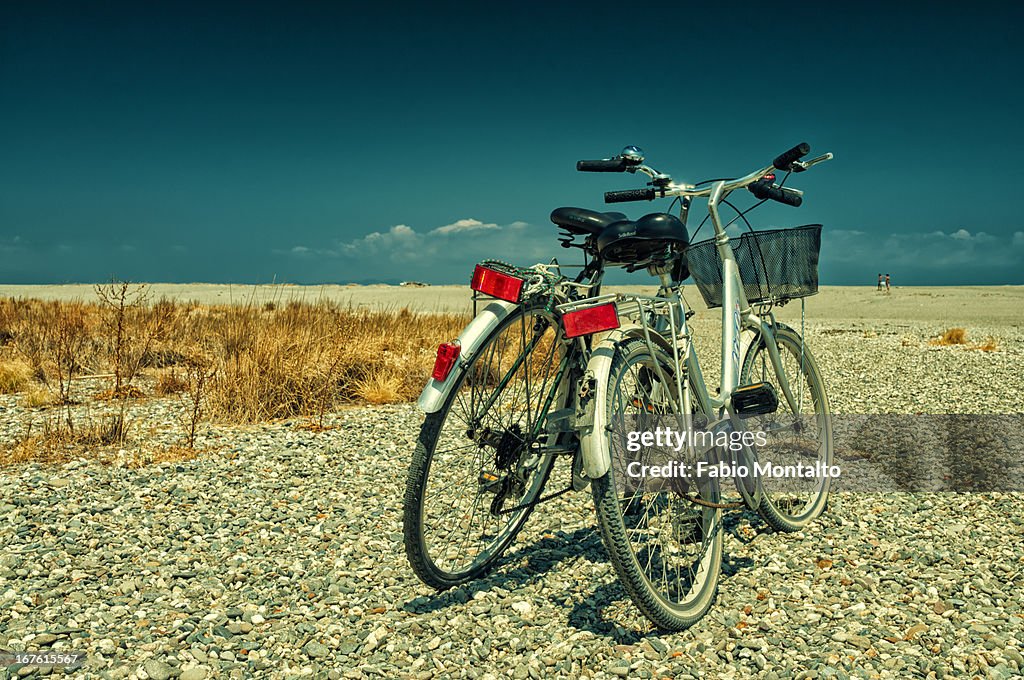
(764, 190)
(630, 195)
(783, 161)
(613, 165)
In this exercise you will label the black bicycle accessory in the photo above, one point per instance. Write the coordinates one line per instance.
(756, 399)
(766, 190)
(630, 195)
(775, 264)
(654, 238)
(617, 164)
(784, 160)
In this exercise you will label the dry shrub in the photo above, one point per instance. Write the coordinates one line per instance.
(958, 336)
(951, 336)
(170, 382)
(126, 392)
(57, 441)
(199, 375)
(38, 396)
(380, 387)
(26, 449)
(15, 375)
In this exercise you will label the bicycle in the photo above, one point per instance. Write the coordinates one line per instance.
(551, 367)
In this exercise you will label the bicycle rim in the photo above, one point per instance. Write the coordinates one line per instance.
(486, 455)
(666, 549)
(800, 437)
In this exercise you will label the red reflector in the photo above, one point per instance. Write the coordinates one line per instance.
(590, 320)
(496, 284)
(770, 177)
(447, 355)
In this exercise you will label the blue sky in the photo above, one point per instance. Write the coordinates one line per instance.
(323, 142)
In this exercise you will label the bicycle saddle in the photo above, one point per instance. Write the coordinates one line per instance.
(652, 238)
(583, 221)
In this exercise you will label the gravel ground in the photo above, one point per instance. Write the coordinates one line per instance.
(280, 554)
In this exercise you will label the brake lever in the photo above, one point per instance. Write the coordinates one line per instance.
(800, 166)
(658, 179)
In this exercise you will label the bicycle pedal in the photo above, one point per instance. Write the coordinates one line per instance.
(489, 483)
(639, 403)
(755, 399)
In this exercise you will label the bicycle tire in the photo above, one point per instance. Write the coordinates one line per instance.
(424, 564)
(655, 605)
(772, 508)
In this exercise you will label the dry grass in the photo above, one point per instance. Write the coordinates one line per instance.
(265, 361)
(15, 375)
(951, 336)
(38, 396)
(380, 387)
(170, 382)
(958, 336)
(26, 449)
(230, 364)
(59, 440)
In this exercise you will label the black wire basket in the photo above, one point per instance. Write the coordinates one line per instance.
(775, 265)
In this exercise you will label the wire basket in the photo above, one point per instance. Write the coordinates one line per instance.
(775, 264)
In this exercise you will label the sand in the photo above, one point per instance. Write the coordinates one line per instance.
(960, 305)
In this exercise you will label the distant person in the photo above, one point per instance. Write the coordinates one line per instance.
(886, 283)
(880, 282)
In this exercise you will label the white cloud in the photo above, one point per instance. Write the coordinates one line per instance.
(441, 253)
(463, 226)
(402, 243)
(933, 248)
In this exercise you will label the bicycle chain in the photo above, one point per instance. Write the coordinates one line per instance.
(697, 500)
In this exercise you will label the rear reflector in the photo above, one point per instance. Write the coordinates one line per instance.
(590, 320)
(496, 284)
(447, 355)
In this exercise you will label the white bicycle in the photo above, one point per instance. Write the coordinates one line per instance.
(551, 367)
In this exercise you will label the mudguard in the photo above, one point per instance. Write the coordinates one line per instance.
(592, 427)
(472, 336)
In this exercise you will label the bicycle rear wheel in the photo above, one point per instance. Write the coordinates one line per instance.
(486, 455)
(800, 436)
(666, 549)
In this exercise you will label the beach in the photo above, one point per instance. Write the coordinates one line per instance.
(278, 550)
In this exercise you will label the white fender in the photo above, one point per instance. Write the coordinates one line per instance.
(472, 336)
(593, 442)
(596, 457)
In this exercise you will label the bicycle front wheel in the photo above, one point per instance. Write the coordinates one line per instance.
(798, 434)
(665, 545)
(486, 455)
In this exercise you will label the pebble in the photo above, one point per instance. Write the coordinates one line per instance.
(316, 650)
(158, 670)
(296, 554)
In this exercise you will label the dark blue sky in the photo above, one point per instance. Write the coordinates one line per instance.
(322, 141)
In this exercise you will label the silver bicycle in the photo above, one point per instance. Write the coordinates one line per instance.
(550, 367)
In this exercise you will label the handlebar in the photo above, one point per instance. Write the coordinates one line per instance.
(617, 164)
(766, 190)
(630, 195)
(662, 185)
(784, 160)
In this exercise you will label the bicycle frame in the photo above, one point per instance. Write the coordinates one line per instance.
(738, 315)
